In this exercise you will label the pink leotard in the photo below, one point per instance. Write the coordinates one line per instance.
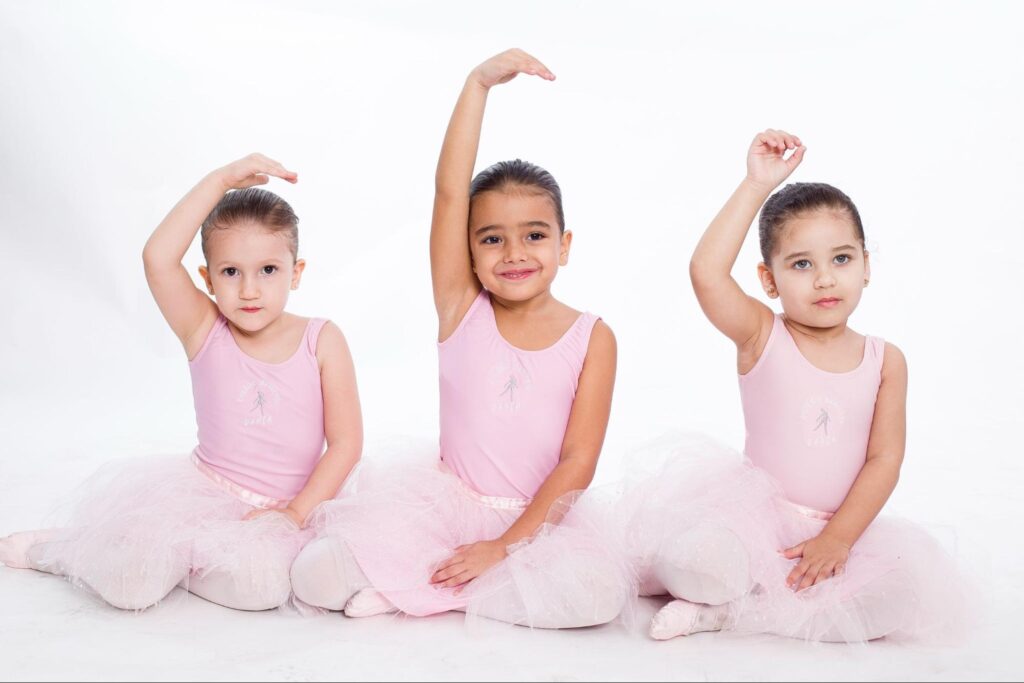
(504, 410)
(261, 425)
(808, 427)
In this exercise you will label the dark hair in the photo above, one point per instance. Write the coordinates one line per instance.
(519, 174)
(254, 205)
(797, 199)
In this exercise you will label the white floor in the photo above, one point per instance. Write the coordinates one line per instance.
(50, 632)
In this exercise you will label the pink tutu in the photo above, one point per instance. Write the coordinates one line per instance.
(139, 527)
(401, 522)
(697, 498)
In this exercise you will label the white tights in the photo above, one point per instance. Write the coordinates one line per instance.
(135, 588)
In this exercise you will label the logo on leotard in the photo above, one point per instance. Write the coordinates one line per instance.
(259, 397)
(510, 378)
(821, 420)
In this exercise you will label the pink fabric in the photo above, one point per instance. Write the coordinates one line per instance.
(261, 425)
(809, 428)
(504, 410)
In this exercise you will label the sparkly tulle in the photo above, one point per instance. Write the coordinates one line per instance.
(401, 520)
(139, 527)
(690, 500)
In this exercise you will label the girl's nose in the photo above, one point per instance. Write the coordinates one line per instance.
(514, 252)
(825, 278)
(249, 289)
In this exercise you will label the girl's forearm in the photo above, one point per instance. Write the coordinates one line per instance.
(326, 479)
(461, 141)
(867, 496)
(171, 239)
(720, 245)
(568, 475)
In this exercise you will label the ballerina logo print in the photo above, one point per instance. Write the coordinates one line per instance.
(821, 421)
(511, 379)
(259, 398)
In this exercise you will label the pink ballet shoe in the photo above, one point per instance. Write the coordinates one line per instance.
(682, 618)
(14, 548)
(368, 603)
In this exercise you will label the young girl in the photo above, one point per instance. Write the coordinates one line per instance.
(788, 542)
(226, 522)
(526, 386)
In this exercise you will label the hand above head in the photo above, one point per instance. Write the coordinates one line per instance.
(506, 66)
(821, 558)
(468, 562)
(767, 164)
(254, 169)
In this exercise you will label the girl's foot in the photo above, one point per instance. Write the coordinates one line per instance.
(368, 603)
(14, 548)
(681, 618)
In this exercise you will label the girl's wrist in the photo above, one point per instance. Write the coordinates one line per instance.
(757, 186)
(473, 81)
(296, 514)
(215, 180)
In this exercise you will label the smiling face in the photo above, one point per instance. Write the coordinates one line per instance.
(819, 268)
(515, 242)
(250, 271)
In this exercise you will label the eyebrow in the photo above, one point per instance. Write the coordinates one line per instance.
(274, 261)
(803, 254)
(524, 224)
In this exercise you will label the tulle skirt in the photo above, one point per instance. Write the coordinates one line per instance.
(693, 499)
(401, 521)
(139, 527)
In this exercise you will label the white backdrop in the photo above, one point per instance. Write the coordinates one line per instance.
(110, 111)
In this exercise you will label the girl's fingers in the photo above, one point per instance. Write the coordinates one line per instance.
(796, 157)
(810, 578)
(794, 552)
(446, 566)
(797, 574)
(828, 570)
(457, 580)
(258, 179)
(543, 71)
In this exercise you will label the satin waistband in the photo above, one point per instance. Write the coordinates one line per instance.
(240, 492)
(806, 511)
(496, 502)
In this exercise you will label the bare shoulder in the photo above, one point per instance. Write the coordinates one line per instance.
(602, 342)
(331, 343)
(894, 363)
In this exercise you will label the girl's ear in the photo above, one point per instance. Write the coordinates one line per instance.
(204, 273)
(867, 267)
(764, 273)
(300, 266)
(563, 252)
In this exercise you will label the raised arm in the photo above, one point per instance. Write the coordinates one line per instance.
(187, 309)
(455, 285)
(742, 318)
